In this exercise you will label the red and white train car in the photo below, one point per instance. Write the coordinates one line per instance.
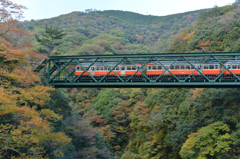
(152, 69)
(99, 69)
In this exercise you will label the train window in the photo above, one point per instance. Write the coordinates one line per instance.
(159, 67)
(149, 67)
(101, 68)
(234, 67)
(123, 68)
(216, 66)
(97, 67)
(78, 69)
(187, 67)
(205, 67)
(211, 67)
(117, 68)
(134, 68)
(105, 67)
(238, 66)
(92, 68)
(85, 68)
(172, 67)
(109, 67)
(154, 67)
(192, 68)
(129, 68)
(176, 67)
(182, 67)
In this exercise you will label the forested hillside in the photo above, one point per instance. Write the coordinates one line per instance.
(38, 121)
(113, 32)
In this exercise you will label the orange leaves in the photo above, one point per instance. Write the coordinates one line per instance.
(97, 121)
(197, 92)
(177, 36)
(13, 39)
(139, 38)
(10, 14)
(102, 42)
(184, 35)
(12, 57)
(204, 44)
(180, 41)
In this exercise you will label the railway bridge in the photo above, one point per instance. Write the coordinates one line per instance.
(143, 70)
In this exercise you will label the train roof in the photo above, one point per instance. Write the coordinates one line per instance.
(233, 62)
(181, 63)
(107, 63)
(153, 63)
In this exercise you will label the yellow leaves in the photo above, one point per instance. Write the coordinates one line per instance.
(2, 48)
(58, 153)
(156, 107)
(23, 121)
(4, 81)
(107, 133)
(189, 37)
(50, 115)
(7, 102)
(33, 123)
(25, 77)
(55, 139)
(37, 95)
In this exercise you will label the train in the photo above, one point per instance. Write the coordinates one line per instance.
(167, 70)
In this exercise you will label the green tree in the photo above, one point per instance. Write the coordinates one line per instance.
(210, 141)
(49, 40)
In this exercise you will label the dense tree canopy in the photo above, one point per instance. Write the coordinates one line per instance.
(38, 121)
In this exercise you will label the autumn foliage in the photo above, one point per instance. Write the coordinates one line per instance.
(26, 124)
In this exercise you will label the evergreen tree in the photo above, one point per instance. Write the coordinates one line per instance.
(49, 40)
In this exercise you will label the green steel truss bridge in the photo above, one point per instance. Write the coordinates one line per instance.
(59, 71)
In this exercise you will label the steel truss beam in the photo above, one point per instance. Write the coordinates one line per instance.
(59, 71)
